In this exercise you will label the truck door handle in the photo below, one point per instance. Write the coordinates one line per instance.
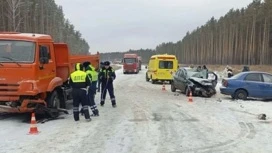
(53, 70)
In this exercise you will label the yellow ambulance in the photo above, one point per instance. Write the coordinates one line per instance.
(161, 67)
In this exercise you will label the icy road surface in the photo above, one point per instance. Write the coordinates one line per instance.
(148, 120)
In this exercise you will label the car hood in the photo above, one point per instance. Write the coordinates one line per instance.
(204, 82)
(200, 79)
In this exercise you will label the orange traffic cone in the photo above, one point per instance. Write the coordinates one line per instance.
(163, 87)
(190, 99)
(33, 126)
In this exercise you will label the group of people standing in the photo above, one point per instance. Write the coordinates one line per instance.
(230, 72)
(85, 82)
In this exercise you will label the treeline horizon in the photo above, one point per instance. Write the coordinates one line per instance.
(241, 37)
(41, 16)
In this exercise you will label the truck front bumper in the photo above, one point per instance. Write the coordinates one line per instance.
(23, 108)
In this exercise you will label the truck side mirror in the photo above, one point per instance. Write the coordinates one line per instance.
(145, 67)
(43, 55)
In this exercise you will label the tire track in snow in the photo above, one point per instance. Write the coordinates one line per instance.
(247, 130)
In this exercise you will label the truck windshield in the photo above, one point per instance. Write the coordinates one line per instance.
(14, 51)
(129, 60)
(166, 64)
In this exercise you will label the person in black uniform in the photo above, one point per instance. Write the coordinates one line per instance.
(106, 77)
(98, 82)
(80, 82)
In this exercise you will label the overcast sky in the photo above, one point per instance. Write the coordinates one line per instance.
(120, 25)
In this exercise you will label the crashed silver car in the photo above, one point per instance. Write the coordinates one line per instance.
(199, 82)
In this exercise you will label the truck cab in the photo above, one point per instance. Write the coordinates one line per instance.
(34, 71)
(130, 63)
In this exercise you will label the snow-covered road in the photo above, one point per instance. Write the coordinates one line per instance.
(149, 120)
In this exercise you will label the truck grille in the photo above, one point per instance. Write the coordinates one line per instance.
(9, 87)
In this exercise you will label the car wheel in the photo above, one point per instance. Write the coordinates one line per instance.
(152, 81)
(241, 94)
(146, 78)
(173, 88)
(187, 91)
(211, 92)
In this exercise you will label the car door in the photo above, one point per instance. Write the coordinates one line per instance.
(212, 76)
(266, 86)
(252, 84)
(177, 80)
(183, 80)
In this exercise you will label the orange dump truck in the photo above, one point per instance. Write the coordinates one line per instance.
(34, 73)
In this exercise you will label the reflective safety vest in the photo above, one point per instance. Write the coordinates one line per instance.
(107, 72)
(78, 76)
(93, 73)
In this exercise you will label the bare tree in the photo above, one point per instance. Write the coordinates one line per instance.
(13, 13)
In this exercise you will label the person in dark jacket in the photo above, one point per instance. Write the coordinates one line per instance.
(204, 68)
(98, 81)
(80, 82)
(106, 77)
(245, 69)
(198, 69)
(229, 72)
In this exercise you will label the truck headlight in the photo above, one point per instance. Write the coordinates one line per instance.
(26, 86)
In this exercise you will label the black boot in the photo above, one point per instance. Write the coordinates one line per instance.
(86, 113)
(81, 112)
(113, 103)
(95, 112)
(76, 116)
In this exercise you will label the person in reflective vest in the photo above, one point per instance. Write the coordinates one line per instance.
(90, 70)
(80, 82)
(106, 77)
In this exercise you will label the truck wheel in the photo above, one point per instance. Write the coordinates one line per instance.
(62, 98)
(173, 88)
(53, 101)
